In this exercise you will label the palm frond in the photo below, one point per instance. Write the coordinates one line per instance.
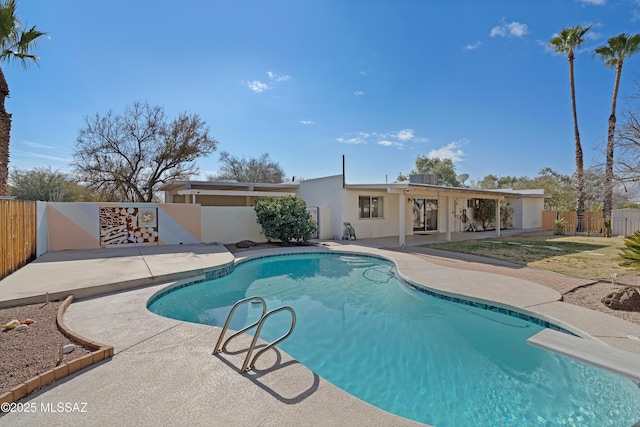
(618, 48)
(29, 39)
(631, 252)
(569, 39)
(15, 43)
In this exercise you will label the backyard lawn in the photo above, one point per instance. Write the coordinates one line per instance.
(578, 256)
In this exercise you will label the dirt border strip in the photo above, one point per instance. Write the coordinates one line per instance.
(99, 353)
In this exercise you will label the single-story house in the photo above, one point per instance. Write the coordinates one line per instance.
(373, 210)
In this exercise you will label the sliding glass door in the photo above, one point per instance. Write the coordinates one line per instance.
(425, 215)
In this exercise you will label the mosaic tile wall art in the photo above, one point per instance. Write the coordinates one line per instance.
(128, 226)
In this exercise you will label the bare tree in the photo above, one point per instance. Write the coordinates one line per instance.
(261, 169)
(130, 155)
(627, 166)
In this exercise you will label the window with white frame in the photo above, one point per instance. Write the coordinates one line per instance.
(371, 206)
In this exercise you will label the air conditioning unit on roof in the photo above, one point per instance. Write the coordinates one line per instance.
(423, 178)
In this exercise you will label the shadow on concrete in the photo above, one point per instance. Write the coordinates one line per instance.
(275, 379)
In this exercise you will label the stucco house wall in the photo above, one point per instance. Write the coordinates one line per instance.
(527, 210)
(371, 227)
(325, 193)
(339, 202)
(531, 212)
(77, 225)
(230, 224)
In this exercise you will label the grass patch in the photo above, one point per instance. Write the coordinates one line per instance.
(578, 256)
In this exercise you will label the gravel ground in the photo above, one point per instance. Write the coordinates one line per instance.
(590, 297)
(28, 353)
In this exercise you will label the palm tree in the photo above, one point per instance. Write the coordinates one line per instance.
(568, 40)
(16, 45)
(613, 55)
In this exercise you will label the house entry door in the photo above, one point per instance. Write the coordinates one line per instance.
(425, 215)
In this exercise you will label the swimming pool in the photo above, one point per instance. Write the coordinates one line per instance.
(424, 358)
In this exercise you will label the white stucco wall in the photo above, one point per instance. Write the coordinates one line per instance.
(230, 224)
(76, 225)
(42, 231)
(517, 206)
(371, 227)
(457, 205)
(324, 223)
(531, 212)
(327, 193)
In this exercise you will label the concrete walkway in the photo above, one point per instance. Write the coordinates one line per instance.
(163, 372)
(87, 273)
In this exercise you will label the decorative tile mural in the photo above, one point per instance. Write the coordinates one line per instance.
(128, 226)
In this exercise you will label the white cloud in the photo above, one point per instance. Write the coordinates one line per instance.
(450, 151)
(307, 122)
(593, 35)
(512, 29)
(355, 140)
(39, 156)
(517, 29)
(37, 145)
(593, 2)
(358, 93)
(473, 46)
(498, 31)
(277, 78)
(405, 135)
(257, 86)
(396, 139)
(387, 143)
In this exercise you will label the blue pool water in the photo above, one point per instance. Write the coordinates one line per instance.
(420, 357)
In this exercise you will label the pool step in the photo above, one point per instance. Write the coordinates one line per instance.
(594, 353)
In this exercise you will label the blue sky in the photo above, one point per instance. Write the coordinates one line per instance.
(379, 81)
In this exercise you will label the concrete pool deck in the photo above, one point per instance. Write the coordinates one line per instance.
(163, 372)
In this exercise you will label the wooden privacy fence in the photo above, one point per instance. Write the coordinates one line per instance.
(592, 221)
(17, 234)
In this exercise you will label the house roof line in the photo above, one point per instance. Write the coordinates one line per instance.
(235, 193)
(409, 188)
(292, 185)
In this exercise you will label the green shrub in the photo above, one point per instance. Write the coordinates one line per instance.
(631, 252)
(485, 213)
(506, 215)
(285, 219)
(559, 223)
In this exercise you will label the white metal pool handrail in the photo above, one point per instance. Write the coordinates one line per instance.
(218, 348)
(257, 334)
